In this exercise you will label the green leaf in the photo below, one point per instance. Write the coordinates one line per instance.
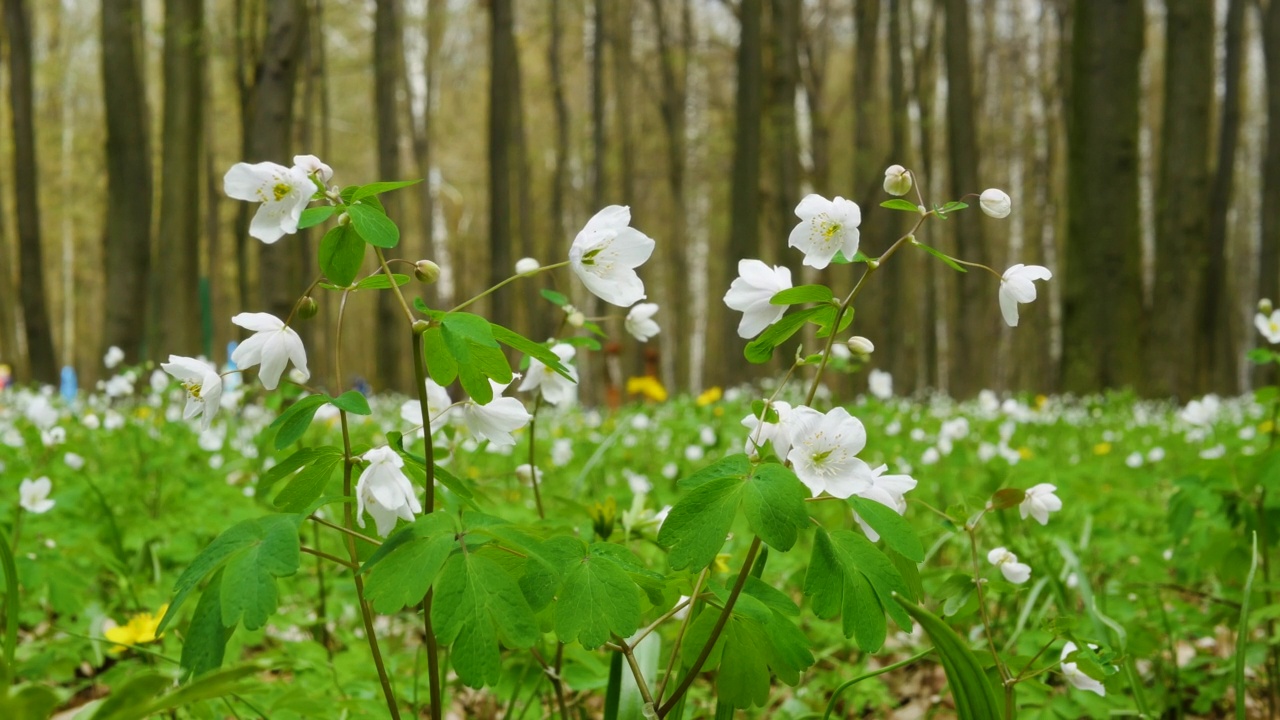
(341, 254)
(597, 599)
(1260, 356)
(557, 298)
(373, 225)
(33, 701)
(894, 531)
(761, 349)
(520, 343)
(827, 317)
(974, 697)
(137, 699)
(283, 469)
(849, 576)
(440, 364)
(470, 341)
(381, 282)
(773, 502)
(477, 605)
(802, 294)
(205, 642)
(403, 568)
(952, 206)
(377, 188)
(309, 483)
(941, 256)
(293, 423)
(313, 216)
(737, 465)
(900, 204)
(132, 694)
(353, 402)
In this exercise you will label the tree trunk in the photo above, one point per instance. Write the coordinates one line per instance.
(1182, 201)
(128, 154)
(866, 160)
(1269, 260)
(1102, 313)
(897, 345)
(784, 140)
(501, 56)
(41, 363)
(392, 347)
(176, 284)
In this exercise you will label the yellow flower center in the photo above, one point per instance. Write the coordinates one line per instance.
(281, 191)
(193, 389)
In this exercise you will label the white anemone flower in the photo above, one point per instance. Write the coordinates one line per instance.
(1016, 287)
(1040, 501)
(750, 293)
(606, 253)
(995, 202)
(556, 389)
(1268, 325)
(640, 321)
(777, 433)
(888, 490)
(897, 181)
(311, 165)
(202, 383)
(272, 345)
(284, 194)
(113, 357)
(824, 451)
(385, 491)
(33, 495)
(1013, 571)
(497, 419)
(439, 405)
(880, 383)
(826, 227)
(1078, 679)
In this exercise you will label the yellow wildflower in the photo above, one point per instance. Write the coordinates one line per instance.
(1102, 448)
(1265, 427)
(140, 629)
(648, 386)
(1024, 452)
(712, 394)
(721, 563)
(1040, 401)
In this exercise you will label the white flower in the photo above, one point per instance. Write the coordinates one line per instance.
(888, 490)
(1077, 678)
(561, 452)
(311, 165)
(826, 226)
(525, 266)
(1201, 412)
(880, 383)
(995, 203)
(159, 381)
(496, 420)
(1016, 286)
(284, 194)
(778, 433)
(73, 461)
(1013, 571)
(1214, 452)
(34, 495)
(824, 451)
(203, 386)
(859, 345)
(385, 491)
(1039, 502)
(527, 473)
(897, 181)
(605, 254)
(930, 456)
(694, 453)
(556, 389)
(41, 412)
(640, 322)
(119, 385)
(91, 421)
(1155, 454)
(53, 436)
(1269, 326)
(113, 357)
(438, 406)
(272, 345)
(750, 293)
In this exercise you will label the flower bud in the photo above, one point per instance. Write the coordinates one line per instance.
(344, 219)
(426, 271)
(897, 181)
(1264, 306)
(995, 203)
(307, 308)
(420, 326)
(859, 345)
(525, 266)
(576, 318)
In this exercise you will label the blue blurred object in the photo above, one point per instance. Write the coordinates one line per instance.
(231, 350)
(70, 386)
(362, 386)
(232, 379)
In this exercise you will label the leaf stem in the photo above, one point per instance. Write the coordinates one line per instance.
(533, 465)
(835, 694)
(684, 627)
(339, 528)
(327, 556)
(628, 653)
(508, 281)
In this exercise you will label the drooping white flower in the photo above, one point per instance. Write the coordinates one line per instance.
(1269, 326)
(1013, 571)
(496, 420)
(1078, 679)
(888, 490)
(311, 165)
(824, 451)
(273, 344)
(73, 461)
(750, 293)
(995, 202)
(606, 253)
(385, 491)
(438, 405)
(777, 433)
(640, 322)
(897, 181)
(1039, 502)
(113, 357)
(524, 266)
(880, 383)
(203, 386)
(1016, 286)
(33, 495)
(556, 389)
(826, 226)
(284, 194)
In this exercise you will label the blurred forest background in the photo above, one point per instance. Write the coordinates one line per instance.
(1133, 137)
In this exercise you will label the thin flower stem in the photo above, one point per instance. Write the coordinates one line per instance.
(298, 303)
(508, 281)
(339, 528)
(327, 556)
(982, 605)
(665, 617)
(322, 613)
(684, 627)
(769, 403)
(404, 304)
(694, 669)
(641, 684)
(1032, 661)
(533, 466)
(976, 265)
(553, 675)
